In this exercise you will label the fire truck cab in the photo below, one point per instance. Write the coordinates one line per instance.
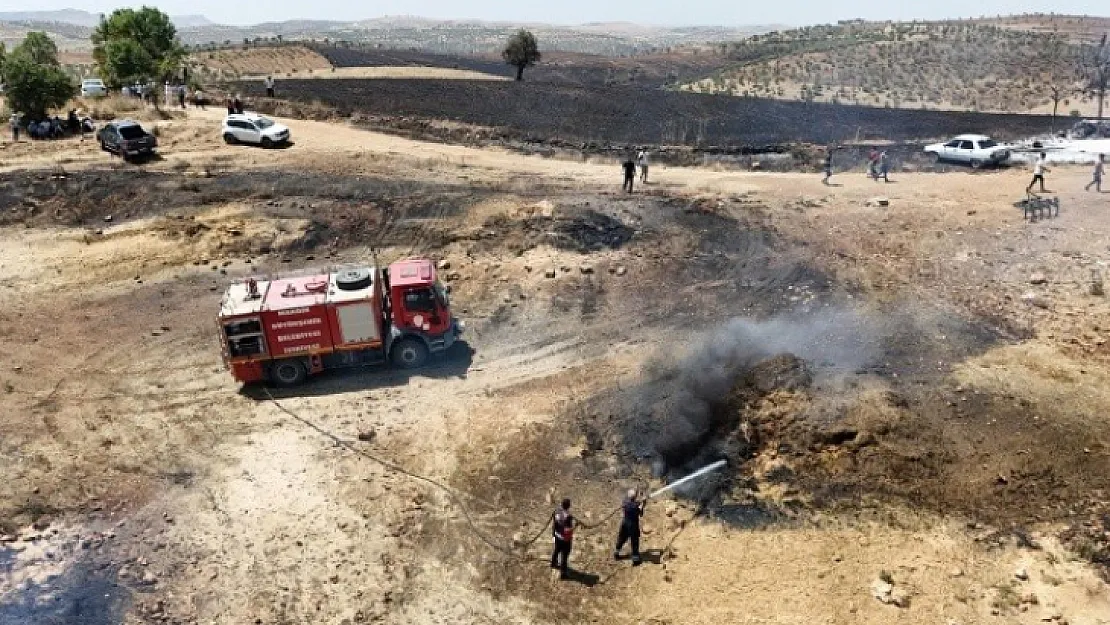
(282, 329)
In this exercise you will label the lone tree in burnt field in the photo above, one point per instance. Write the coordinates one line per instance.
(1094, 69)
(521, 52)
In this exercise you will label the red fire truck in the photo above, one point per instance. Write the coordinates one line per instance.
(283, 329)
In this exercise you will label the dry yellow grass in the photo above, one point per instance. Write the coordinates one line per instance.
(116, 106)
(258, 61)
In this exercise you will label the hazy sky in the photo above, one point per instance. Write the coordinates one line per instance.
(666, 12)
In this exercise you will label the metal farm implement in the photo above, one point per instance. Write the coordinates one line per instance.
(1035, 206)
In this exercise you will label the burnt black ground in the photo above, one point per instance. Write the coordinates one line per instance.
(631, 114)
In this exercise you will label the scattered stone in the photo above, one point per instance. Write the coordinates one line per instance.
(621, 270)
(1031, 298)
(1038, 278)
(956, 572)
(108, 219)
(1021, 574)
(886, 592)
(443, 264)
(367, 435)
(17, 368)
(550, 273)
(586, 269)
(878, 201)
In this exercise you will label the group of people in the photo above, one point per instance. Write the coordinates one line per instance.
(630, 165)
(171, 94)
(563, 525)
(878, 165)
(51, 127)
(1040, 168)
(234, 104)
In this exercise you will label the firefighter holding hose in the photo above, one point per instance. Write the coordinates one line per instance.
(562, 529)
(632, 509)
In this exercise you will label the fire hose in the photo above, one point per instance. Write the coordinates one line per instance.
(457, 496)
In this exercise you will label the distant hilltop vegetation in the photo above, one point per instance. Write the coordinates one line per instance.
(1010, 64)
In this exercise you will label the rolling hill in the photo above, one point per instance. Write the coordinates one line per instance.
(71, 29)
(1002, 65)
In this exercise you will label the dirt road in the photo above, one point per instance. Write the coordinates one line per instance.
(144, 486)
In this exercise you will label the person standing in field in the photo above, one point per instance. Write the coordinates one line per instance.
(269, 82)
(1040, 167)
(873, 163)
(632, 509)
(629, 173)
(14, 124)
(884, 167)
(828, 166)
(642, 161)
(562, 530)
(1096, 176)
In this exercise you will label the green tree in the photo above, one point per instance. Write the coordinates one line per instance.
(1054, 56)
(136, 46)
(521, 52)
(40, 48)
(33, 80)
(1094, 70)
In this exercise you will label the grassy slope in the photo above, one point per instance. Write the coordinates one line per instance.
(1005, 65)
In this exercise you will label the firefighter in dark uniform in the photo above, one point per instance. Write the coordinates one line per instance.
(633, 509)
(562, 528)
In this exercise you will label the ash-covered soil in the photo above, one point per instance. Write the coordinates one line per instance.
(633, 114)
(910, 391)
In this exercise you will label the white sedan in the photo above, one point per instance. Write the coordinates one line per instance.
(974, 150)
(255, 129)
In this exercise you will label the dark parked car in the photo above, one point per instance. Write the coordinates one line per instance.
(127, 139)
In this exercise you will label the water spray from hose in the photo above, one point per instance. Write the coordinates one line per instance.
(689, 478)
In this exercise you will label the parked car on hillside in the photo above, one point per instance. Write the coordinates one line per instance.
(974, 150)
(255, 129)
(93, 88)
(127, 139)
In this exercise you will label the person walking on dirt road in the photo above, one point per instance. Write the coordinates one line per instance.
(642, 162)
(269, 82)
(1096, 175)
(562, 530)
(1039, 169)
(632, 510)
(629, 174)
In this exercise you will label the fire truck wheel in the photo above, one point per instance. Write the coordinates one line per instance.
(288, 373)
(410, 353)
